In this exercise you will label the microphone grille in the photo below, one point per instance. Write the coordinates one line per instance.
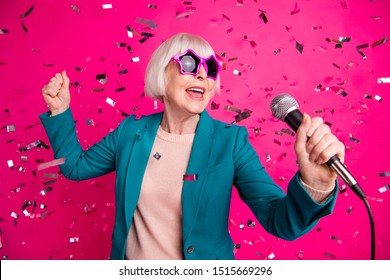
(283, 104)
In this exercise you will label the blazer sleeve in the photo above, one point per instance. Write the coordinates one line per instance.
(79, 164)
(287, 216)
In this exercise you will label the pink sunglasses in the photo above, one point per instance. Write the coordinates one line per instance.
(190, 63)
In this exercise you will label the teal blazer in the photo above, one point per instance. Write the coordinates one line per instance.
(221, 157)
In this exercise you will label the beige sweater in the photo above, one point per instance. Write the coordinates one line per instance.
(156, 231)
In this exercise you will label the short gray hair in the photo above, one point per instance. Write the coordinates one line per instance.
(179, 43)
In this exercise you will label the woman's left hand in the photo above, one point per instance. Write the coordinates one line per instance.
(313, 153)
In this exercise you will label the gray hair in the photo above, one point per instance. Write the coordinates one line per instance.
(155, 72)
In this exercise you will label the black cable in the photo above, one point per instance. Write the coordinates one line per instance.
(372, 228)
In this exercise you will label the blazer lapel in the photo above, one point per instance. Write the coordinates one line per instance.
(142, 146)
(193, 185)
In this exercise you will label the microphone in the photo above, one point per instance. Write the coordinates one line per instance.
(285, 108)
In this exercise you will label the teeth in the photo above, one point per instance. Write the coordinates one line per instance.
(196, 89)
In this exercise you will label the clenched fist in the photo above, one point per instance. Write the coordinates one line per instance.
(56, 93)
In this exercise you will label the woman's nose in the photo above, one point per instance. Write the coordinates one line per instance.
(202, 73)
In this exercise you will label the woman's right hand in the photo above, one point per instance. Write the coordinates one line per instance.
(56, 93)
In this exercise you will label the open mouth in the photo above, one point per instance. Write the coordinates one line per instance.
(196, 92)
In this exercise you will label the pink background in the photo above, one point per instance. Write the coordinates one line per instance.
(57, 37)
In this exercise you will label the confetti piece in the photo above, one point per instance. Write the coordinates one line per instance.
(123, 72)
(190, 177)
(384, 174)
(277, 51)
(214, 106)
(263, 17)
(24, 28)
(362, 46)
(10, 164)
(384, 189)
(150, 23)
(316, 28)
(9, 128)
(14, 215)
(379, 42)
(120, 89)
(110, 101)
(97, 90)
(75, 8)
(4, 31)
(349, 209)
(362, 54)
(330, 255)
(156, 155)
(74, 240)
(236, 72)
(271, 256)
(106, 6)
(135, 59)
(240, 3)
(186, 13)
(251, 223)
(299, 47)
(296, 10)
(27, 13)
(232, 109)
(385, 80)
(155, 104)
(242, 116)
(353, 139)
(51, 163)
(130, 32)
(45, 191)
(151, 6)
(242, 227)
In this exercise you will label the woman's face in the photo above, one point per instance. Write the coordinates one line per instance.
(187, 93)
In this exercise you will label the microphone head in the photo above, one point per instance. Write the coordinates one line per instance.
(282, 105)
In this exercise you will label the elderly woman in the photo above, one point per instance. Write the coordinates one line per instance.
(175, 169)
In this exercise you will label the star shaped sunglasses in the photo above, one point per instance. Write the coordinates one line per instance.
(190, 63)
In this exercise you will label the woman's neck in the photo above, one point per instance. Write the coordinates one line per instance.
(176, 124)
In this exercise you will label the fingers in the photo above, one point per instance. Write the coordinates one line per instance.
(322, 144)
(55, 84)
(65, 79)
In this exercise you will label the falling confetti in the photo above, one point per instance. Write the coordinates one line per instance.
(379, 42)
(106, 6)
(27, 13)
(384, 189)
(384, 80)
(299, 47)
(51, 163)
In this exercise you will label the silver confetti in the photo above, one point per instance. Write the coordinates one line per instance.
(107, 6)
(14, 215)
(75, 8)
(384, 188)
(10, 164)
(110, 101)
(45, 191)
(385, 80)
